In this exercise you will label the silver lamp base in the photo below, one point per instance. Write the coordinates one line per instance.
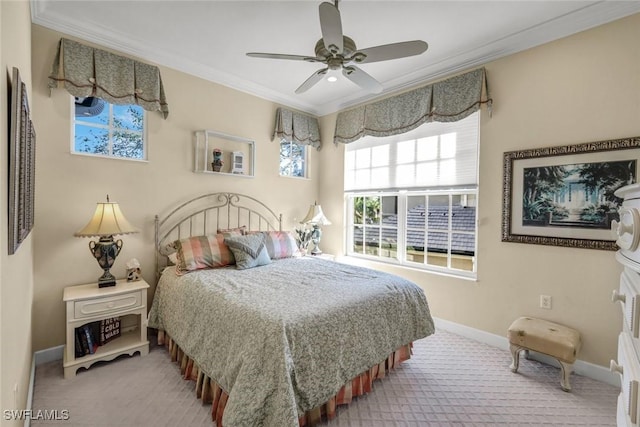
(105, 252)
(316, 235)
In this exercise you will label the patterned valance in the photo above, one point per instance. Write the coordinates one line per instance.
(87, 71)
(297, 127)
(446, 101)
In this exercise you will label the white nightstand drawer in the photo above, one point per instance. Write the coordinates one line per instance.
(92, 307)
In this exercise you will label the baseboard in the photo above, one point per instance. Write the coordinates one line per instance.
(48, 355)
(596, 372)
(40, 357)
(32, 381)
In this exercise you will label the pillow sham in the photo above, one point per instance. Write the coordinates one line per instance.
(249, 251)
(281, 244)
(196, 253)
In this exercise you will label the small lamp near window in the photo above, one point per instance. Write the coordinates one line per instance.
(316, 218)
(107, 222)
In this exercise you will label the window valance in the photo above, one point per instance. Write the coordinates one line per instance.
(297, 127)
(446, 101)
(87, 71)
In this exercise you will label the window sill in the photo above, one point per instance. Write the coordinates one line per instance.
(362, 260)
(100, 156)
(302, 178)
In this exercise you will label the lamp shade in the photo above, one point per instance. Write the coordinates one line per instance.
(107, 221)
(316, 216)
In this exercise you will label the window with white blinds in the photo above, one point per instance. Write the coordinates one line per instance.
(434, 155)
(411, 198)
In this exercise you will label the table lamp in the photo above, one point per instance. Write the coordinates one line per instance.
(316, 218)
(107, 222)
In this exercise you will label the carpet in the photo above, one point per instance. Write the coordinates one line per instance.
(450, 381)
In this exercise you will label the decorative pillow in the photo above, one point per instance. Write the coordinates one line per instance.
(173, 258)
(169, 248)
(195, 253)
(281, 244)
(249, 251)
(240, 230)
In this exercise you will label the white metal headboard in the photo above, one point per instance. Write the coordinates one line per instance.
(208, 213)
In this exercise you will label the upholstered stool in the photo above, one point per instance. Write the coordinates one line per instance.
(552, 339)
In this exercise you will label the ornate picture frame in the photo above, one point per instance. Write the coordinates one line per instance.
(563, 196)
(22, 154)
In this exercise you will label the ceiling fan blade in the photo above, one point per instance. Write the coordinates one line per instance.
(283, 56)
(362, 79)
(389, 51)
(331, 26)
(315, 78)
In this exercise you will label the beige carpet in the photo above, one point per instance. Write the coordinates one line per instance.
(450, 381)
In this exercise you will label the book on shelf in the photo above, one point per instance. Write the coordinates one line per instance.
(94, 327)
(94, 334)
(82, 337)
(79, 350)
(90, 342)
(109, 329)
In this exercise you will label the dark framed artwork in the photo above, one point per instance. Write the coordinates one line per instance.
(22, 152)
(564, 196)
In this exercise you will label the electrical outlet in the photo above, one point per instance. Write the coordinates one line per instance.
(545, 301)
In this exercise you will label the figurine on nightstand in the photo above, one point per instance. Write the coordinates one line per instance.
(133, 270)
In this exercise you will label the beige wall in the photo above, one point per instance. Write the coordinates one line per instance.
(68, 186)
(16, 271)
(582, 88)
(579, 89)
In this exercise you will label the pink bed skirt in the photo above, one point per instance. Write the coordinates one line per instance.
(210, 392)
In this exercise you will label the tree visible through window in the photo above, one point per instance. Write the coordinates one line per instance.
(104, 129)
(293, 159)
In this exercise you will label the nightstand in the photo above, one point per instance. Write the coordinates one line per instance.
(88, 303)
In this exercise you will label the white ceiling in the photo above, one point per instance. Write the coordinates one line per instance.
(209, 39)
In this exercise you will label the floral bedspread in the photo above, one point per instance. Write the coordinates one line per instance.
(283, 338)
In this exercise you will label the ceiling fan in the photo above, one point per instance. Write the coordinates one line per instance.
(338, 51)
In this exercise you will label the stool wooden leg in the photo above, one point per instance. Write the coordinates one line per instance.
(566, 372)
(515, 357)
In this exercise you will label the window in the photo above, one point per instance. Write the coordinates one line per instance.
(108, 130)
(411, 199)
(293, 159)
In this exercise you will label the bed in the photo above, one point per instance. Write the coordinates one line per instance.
(281, 343)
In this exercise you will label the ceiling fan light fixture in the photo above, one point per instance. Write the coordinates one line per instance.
(339, 53)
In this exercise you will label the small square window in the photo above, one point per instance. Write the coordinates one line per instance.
(107, 130)
(293, 159)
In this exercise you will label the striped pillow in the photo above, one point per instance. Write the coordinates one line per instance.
(195, 253)
(281, 244)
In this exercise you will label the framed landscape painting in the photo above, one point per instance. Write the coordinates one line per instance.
(564, 196)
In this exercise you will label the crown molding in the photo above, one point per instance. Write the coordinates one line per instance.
(590, 16)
